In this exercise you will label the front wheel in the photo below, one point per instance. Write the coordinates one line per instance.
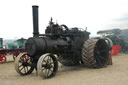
(47, 65)
(23, 64)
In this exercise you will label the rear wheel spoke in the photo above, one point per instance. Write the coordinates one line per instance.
(100, 45)
(98, 61)
(102, 57)
(102, 51)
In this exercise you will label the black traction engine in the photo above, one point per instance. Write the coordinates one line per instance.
(69, 46)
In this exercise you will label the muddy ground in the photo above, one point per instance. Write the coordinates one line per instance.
(116, 74)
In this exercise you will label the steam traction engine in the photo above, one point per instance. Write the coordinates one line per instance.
(59, 43)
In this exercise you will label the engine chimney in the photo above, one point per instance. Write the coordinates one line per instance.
(35, 21)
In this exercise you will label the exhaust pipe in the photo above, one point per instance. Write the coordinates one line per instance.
(35, 21)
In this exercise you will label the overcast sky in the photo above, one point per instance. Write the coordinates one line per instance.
(16, 15)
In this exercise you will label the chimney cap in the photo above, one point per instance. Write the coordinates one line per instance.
(35, 6)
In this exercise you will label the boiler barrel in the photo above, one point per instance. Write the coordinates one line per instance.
(41, 45)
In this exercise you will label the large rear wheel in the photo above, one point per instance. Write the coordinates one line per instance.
(95, 53)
